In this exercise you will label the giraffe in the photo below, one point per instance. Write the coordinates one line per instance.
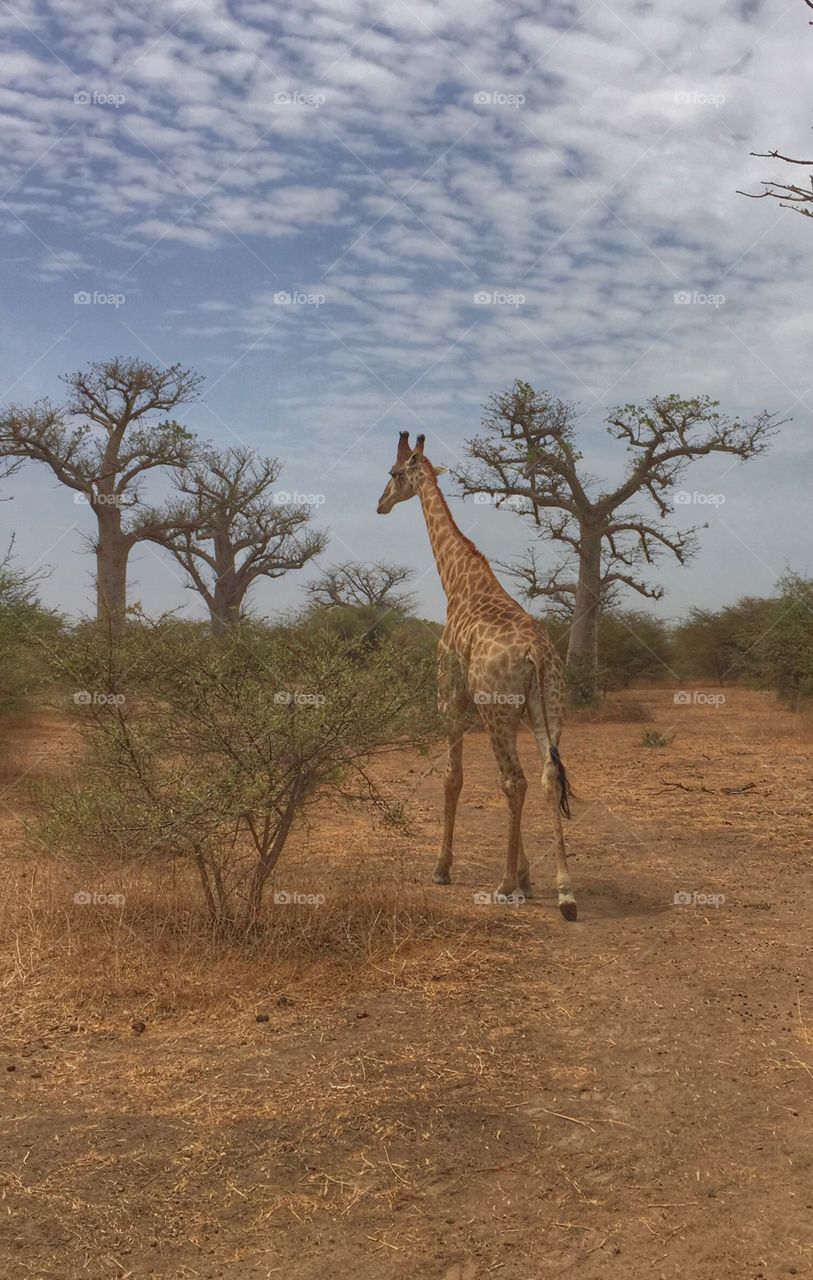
(494, 655)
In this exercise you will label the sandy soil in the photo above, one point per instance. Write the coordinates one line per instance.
(500, 1094)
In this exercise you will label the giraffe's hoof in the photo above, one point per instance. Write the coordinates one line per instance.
(526, 888)
(441, 877)
(568, 909)
(508, 890)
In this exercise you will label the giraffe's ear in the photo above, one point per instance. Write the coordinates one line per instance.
(441, 471)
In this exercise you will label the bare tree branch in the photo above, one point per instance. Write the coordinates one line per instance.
(527, 458)
(355, 583)
(104, 457)
(227, 528)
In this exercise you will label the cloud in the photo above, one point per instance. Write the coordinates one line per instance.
(579, 167)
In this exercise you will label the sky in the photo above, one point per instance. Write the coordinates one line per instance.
(357, 219)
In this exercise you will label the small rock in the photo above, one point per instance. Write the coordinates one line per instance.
(284, 1000)
(362, 1014)
(262, 1017)
(138, 1027)
(12, 1066)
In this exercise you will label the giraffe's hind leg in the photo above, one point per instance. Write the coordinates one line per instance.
(553, 785)
(503, 735)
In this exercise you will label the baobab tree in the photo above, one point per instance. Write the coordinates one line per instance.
(111, 431)
(227, 527)
(528, 455)
(355, 583)
(789, 194)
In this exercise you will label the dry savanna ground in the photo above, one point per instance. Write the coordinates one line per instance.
(401, 1082)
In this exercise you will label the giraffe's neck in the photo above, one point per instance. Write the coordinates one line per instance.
(457, 559)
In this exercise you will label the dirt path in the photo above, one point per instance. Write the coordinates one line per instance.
(522, 1098)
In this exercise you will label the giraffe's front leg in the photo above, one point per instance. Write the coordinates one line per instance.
(452, 785)
(524, 872)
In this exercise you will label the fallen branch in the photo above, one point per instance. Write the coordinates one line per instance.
(711, 791)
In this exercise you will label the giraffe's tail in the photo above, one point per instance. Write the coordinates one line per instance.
(546, 724)
(565, 789)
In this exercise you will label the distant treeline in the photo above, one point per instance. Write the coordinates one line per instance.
(763, 642)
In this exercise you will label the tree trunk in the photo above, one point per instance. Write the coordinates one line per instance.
(112, 550)
(582, 649)
(224, 609)
(268, 858)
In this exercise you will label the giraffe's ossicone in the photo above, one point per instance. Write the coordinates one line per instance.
(495, 657)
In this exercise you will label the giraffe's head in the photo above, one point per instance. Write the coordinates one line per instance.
(405, 476)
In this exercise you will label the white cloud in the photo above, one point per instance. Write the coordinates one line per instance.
(341, 151)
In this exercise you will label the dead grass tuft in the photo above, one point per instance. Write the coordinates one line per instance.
(131, 944)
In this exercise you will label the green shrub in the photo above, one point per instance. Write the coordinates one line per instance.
(212, 752)
(28, 634)
(785, 650)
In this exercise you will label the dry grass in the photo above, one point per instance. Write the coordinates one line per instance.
(155, 952)
(440, 1089)
(614, 709)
